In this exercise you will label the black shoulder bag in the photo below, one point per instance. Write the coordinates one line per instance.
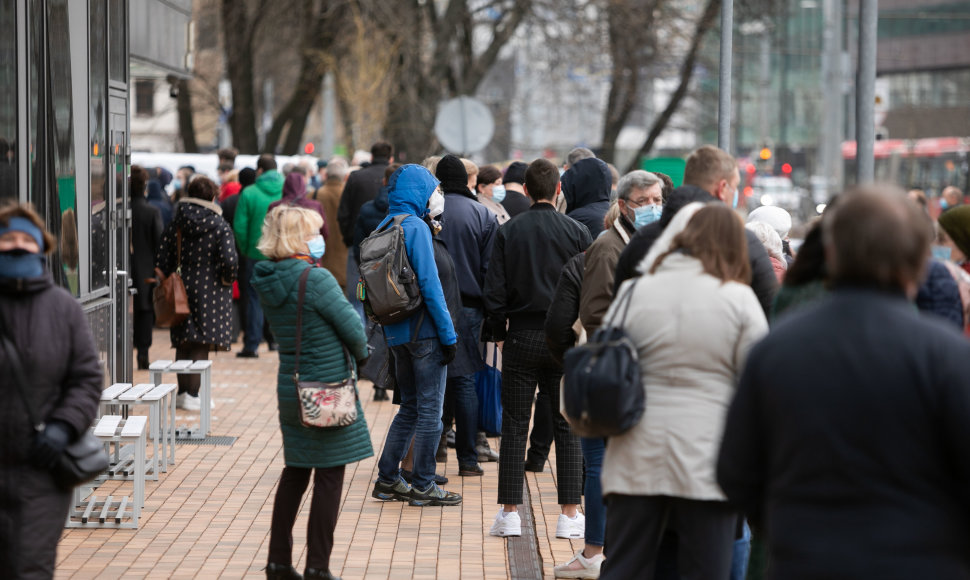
(81, 461)
(602, 392)
(323, 405)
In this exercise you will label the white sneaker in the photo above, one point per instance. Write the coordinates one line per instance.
(191, 403)
(180, 400)
(587, 568)
(571, 529)
(509, 524)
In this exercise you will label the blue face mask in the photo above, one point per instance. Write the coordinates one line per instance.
(317, 246)
(942, 253)
(21, 264)
(944, 204)
(734, 202)
(498, 193)
(646, 214)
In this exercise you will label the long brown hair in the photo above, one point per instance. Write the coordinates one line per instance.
(716, 237)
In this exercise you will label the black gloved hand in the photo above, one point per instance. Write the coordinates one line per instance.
(448, 352)
(49, 444)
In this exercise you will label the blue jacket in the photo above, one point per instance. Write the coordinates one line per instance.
(408, 192)
(586, 187)
(940, 294)
(468, 230)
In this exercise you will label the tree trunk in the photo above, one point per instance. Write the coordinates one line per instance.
(238, 36)
(704, 25)
(186, 120)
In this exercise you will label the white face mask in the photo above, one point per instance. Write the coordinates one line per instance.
(436, 205)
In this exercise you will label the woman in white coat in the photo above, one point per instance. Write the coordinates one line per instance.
(693, 319)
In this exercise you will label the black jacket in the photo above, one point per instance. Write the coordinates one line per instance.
(564, 310)
(529, 254)
(370, 216)
(146, 234)
(362, 186)
(847, 440)
(516, 203)
(468, 229)
(763, 279)
(940, 294)
(586, 188)
(209, 267)
(60, 358)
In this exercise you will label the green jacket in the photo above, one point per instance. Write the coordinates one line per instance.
(253, 204)
(328, 321)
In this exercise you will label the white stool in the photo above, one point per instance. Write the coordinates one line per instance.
(160, 400)
(115, 431)
(188, 367)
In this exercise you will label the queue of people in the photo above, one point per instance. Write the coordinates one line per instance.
(831, 437)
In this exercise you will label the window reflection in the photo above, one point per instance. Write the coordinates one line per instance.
(8, 99)
(118, 21)
(98, 87)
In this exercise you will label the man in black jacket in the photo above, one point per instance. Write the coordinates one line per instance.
(529, 254)
(710, 175)
(146, 235)
(516, 201)
(586, 188)
(847, 437)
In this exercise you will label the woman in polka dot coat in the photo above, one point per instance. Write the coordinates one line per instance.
(209, 265)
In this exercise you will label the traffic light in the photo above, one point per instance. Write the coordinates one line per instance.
(765, 154)
(786, 168)
(308, 148)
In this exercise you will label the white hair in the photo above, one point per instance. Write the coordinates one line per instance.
(769, 239)
(337, 167)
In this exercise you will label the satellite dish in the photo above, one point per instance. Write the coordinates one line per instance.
(464, 125)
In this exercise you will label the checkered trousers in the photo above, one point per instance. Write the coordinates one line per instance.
(526, 362)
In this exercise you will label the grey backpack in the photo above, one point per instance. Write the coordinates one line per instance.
(388, 286)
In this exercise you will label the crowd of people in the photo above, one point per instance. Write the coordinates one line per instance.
(805, 403)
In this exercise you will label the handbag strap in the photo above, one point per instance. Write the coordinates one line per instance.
(13, 357)
(301, 294)
(178, 251)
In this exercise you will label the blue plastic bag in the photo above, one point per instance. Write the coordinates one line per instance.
(488, 386)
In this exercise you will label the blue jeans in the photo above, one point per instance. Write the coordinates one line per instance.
(421, 382)
(466, 417)
(254, 311)
(742, 552)
(593, 451)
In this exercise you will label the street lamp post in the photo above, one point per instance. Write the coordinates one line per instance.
(724, 78)
(865, 121)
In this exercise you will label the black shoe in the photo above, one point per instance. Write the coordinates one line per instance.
(433, 496)
(143, 362)
(247, 354)
(439, 479)
(535, 466)
(282, 572)
(472, 469)
(450, 434)
(441, 456)
(275, 346)
(314, 574)
(380, 394)
(397, 491)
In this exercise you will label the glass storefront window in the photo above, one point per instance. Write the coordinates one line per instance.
(98, 89)
(8, 99)
(118, 23)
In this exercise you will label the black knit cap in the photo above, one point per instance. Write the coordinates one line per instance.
(451, 173)
(515, 173)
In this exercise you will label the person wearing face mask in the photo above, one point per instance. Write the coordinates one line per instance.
(292, 242)
(200, 243)
(52, 338)
(491, 192)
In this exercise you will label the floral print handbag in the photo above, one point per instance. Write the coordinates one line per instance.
(323, 405)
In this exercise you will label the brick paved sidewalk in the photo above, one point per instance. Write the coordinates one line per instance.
(209, 516)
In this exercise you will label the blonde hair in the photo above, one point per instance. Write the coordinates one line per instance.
(286, 230)
(470, 167)
(612, 215)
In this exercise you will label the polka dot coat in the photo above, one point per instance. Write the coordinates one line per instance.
(209, 267)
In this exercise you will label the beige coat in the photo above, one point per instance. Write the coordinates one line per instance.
(335, 258)
(692, 334)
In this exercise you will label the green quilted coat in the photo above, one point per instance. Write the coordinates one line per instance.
(328, 321)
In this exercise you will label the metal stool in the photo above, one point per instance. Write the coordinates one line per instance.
(160, 400)
(188, 367)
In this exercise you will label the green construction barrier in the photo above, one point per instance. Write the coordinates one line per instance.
(670, 166)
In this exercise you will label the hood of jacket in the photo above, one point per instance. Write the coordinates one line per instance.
(381, 202)
(269, 183)
(680, 198)
(155, 192)
(294, 188)
(277, 281)
(409, 190)
(588, 181)
(197, 217)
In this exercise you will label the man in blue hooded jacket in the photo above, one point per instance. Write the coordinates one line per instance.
(422, 347)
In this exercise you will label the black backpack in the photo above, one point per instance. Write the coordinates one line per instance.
(388, 286)
(602, 393)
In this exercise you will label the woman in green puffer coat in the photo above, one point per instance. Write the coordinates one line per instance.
(292, 242)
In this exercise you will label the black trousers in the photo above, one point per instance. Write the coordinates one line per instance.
(526, 363)
(635, 526)
(191, 351)
(540, 441)
(144, 321)
(324, 509)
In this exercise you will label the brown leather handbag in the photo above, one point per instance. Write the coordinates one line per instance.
(169, 298)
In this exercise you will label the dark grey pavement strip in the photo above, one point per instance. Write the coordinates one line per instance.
(525, 562)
